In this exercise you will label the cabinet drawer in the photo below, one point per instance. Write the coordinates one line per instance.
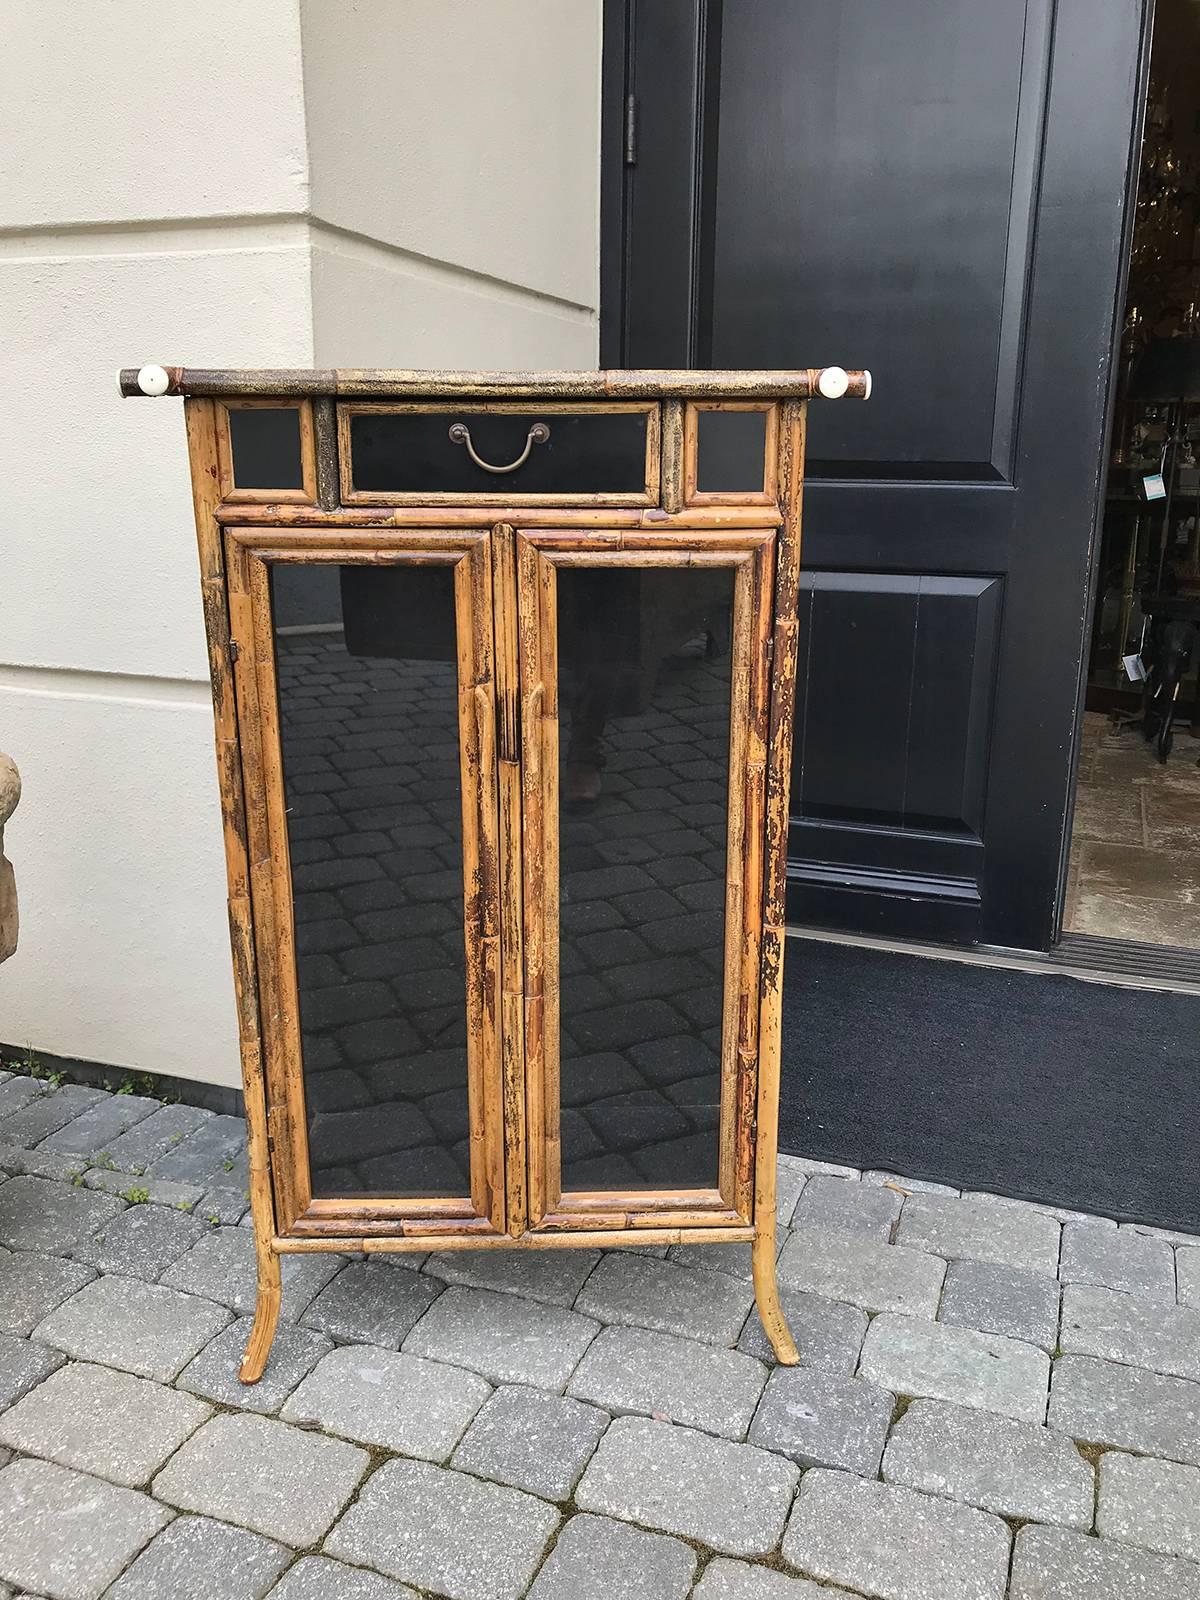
(501, 454)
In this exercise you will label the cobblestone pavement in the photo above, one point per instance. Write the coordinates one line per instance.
(995, 1397)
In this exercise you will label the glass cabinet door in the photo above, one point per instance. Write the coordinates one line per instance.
(644, 675)
(367, 719)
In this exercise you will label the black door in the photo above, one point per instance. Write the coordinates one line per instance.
(936, 190)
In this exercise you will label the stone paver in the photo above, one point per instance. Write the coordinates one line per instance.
(18, 1090)
(201, 1156)
(369, 1302)
(49, 1112)
(531, 1440)
(221, 1266)
(263, 1475)
(894, 1543)
(732, 1497)
(22, 1364)
(1103, 1403)
(598, 1559)
(821, 1421)
(736, 1580)
(1153, 1504)
(108, 1423)
(164, 1130)
(141, 1242)
(863, 1271)
(1116, 1258)
(322, 1578)
(552, 1276)
(506, 1339)
(853, 1207)
(1017, 1469)
(693, 1302)
(36, 1214)
(828, 1335)
(384, 1397)
(102, 1123)
(1187, 1271)
(198, 1559)
(635, 1370)
(1006, 1300)
(1054, 1564)
(108, 1526)
(1127, 1328)
(978, 1230)
(214, 1373)
(444, 1531)
(911, 1356)
(32, 1285)
(140, 1327)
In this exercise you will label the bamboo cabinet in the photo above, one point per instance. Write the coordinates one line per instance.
(503, 671)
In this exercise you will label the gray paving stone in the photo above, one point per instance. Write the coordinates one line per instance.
(141, 1242)
(370, 1303)
(102, 1122)
(322, 1578)
(226, 1203)
(201, 1156)
(735, 1259)
(732, 1497)
(22, 1364)
(142, 1190)
(221, 1266)
(214, 1373)
(45, 1115)
(1171, 1235)
(164, 1130)
(506, 1339)
(1059, 1213)
(979, 1230)
(821, 1421)
(108, 1527)
(828, 1335)
(17, 1091)
(531, 1440)
(853, 1207)
(198, 1559)
(446, 1532)
(598, 1559)
(982, 1370)
(1054, 1564)
(139, 1327)
(383, 1397)
(1117, 1259)
(694, 1302)
(1006, 1300)
(1152, 1504)
(108, 1423)
(263, 1475)
(808, 1169)
(1017, 1469)
(893, 1542)
(43, 1163)
(32, 1285)
(789, 1186)
(1126, 1328)
(679, 1380)
(875, 1276)
(36, 1214)
(1104, 1403)
(735, 1580)
(1187, 1271)
(897, 1180)
(553, 1276)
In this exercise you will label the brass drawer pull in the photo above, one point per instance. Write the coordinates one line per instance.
(461, 434)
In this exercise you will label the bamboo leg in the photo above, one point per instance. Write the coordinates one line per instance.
(266, 1314)
(766, 1293)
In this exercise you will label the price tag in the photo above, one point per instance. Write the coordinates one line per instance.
(1134, 668)
(1153, 486)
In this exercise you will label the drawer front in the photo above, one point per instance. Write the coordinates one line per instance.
(512, 454)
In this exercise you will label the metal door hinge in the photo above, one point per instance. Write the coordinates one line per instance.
(233, 651)
(631, 130)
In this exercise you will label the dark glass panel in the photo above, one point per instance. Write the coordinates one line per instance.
(412, 452)
(730, 450)
(644, 673)
(368, 722)
(265, 441)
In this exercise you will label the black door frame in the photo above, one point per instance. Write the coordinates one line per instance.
(1099, 59)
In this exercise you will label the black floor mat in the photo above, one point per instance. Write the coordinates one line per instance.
(1080, 1094)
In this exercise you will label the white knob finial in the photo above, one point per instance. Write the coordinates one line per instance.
(867, 388)
(153, 380)
(833, 382)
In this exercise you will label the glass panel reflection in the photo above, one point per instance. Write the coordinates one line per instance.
(644, 673)
(265, 441)
(368, 723)
(730, 451)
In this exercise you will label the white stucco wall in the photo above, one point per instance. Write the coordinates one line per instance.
(224, 185)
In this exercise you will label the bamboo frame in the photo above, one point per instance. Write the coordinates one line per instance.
(504, 556)
(346, 412)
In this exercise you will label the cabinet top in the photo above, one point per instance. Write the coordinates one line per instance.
(804, 383)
